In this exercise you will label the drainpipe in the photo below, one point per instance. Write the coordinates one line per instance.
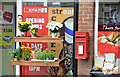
(76, 6)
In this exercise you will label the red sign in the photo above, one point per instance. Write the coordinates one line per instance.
(41, 46)
(108, 39)
(38, 15)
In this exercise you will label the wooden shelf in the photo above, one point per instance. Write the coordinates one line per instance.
(38, 39)
(35, 63)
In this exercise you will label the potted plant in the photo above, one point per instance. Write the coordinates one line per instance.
(34, 30)
(16, 54)
(42, 55)
(24, 27)
(34, 53)
(26, 56)
(26, 49)
(51, 55)
(54, 28)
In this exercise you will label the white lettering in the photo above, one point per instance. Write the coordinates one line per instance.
(35, 20)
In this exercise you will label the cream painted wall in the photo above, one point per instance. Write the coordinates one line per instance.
(0, 62)
(6, 63)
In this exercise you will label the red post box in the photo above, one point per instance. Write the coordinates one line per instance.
(81, 45)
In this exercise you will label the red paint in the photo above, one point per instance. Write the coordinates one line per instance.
(38, 15)
(82, 38)
(26, 70)
(107, 47)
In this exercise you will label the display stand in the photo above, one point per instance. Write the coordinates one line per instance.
(49, 39)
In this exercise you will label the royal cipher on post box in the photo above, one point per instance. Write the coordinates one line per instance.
(81, 45)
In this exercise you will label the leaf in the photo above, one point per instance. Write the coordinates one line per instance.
(117, 35)
(118, 39)
(113, 35)
(107, 38)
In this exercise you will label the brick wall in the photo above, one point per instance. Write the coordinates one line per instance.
(86, 23)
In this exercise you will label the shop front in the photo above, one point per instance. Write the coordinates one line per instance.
(47, 37)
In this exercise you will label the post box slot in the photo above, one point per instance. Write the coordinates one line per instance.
(80, 36)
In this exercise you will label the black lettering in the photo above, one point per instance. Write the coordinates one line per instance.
(61, 11)
(57, 11)
(53, 18)
(53, 11)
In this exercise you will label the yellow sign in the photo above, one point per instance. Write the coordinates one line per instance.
(59, 14)
(6, 37)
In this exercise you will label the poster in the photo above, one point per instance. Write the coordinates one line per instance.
(6, 38)
(108, 39)
(63, 15)
(7, 14)
(37, 15)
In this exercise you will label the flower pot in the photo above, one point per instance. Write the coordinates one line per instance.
(34, 32)
(26, 59)
(54, 35)
(23, 34)
(33, 35)
(34, 54)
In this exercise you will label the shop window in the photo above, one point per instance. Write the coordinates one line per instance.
(61, 12)
(108, 37)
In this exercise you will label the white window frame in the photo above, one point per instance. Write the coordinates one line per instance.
(96, 29)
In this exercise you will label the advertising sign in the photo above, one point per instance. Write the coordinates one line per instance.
(108, 38)
(7, 14)
(38, 15)
(6, 38)
(63, 15)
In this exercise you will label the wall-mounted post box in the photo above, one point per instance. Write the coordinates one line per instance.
(81, 45)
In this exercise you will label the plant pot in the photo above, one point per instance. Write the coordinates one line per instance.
(51, 58)
(26, 59)
(33, 35)
(23, 34)
(54, 35)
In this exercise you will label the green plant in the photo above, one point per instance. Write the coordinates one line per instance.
(17, 53)
(26, 55)
(42, 55)
(24, 26)
(114, 37)
(34, 29)
(51, 54)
